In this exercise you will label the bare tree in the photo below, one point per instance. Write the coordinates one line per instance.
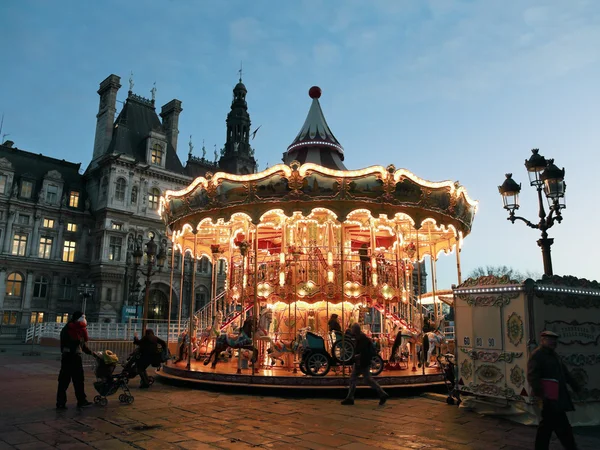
(500, 271)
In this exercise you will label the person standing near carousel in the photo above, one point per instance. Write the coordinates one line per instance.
(364, 351)
(548, 378)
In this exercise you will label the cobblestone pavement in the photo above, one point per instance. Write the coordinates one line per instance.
(168, 417)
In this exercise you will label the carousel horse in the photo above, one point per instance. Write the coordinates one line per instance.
(264, 324)
(212, 332)
(242, 341)
(431, 341)
(279, 347)
(400, 346)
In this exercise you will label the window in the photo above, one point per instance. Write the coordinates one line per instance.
(48, 223)
(74, 199)
(19, 244)
(71, 227)
(14, 284)
(153, 197)
(120, 190)
(109, 295)
(10, 317)
(37, 317)
(40, 287)
(116, 226)
(104, 188)
(26, 189)
(45, 250)
(3, 182)
(156, 156)
(69, 251)
(23, 219)
(221, 267)
(52, 194)
(134, 191)
(114, 250)
(66, 288)
(203, 265)
(62, 317)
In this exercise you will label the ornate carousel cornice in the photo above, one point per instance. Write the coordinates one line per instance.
(305, 187)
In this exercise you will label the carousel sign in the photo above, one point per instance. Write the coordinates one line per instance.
(585, 333)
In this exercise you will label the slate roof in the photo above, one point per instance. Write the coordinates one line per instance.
(133, 125)
(32, 166)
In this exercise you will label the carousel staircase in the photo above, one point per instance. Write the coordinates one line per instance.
(232, 317)
(203, 314)
(394, 318)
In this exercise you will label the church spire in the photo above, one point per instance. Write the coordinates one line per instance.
(238, 156)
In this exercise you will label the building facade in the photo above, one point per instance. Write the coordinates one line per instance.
(60, 228)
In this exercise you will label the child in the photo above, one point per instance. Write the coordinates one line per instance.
(77, 328)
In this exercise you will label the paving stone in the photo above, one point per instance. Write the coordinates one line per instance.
(18, 437)
(195, 445)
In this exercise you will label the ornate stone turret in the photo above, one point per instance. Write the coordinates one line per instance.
(237, 156)
(316, 143)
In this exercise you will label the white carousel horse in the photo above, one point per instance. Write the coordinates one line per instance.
(264, 325)
(212, 332)
(434, 339)
(279, 347)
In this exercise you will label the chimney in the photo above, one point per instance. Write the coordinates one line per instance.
(8, 144)
(106, 114)
(170, 116)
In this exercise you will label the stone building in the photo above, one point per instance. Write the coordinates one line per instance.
(60, 228)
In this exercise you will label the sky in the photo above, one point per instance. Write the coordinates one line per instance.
(448, 89)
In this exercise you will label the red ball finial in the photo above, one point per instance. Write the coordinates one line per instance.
(314, 92)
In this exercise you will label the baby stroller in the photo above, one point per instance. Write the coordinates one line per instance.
(130, 368)
(446, 363)
(106, 382)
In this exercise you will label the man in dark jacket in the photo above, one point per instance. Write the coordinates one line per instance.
(71, 365)
(548, 377)
(362, 364)
(149, 353)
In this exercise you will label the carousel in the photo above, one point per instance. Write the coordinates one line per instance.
(311, 248)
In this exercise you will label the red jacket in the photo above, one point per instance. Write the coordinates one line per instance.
(78, 331)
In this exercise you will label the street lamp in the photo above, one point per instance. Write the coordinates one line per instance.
(86, 290)
(152, 259)
(543, 175)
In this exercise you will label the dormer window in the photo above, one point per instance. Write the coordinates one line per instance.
(52, 194)
(26, 189)
(74, 199)
(120, 190)
(156, 155)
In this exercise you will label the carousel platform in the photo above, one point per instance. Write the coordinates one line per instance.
(225, 374)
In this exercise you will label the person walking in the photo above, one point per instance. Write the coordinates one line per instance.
(149, 353)
(362, 365)
(73, 338)
(548, 377)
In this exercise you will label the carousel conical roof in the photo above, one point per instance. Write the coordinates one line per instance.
(315, 143)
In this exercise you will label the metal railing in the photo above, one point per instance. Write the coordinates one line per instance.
(121, 348)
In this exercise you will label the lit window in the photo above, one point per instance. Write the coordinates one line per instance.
(114, 250)
(19, 244)
(120, 190)
(26, 189)
(153, 197)
(117, 226)
(66, 289)
(14, 284)
(52, 194)
(48, 223)
(3, 181)
(69, 251)
(62, 318)
(45, 247)
(10, 317)
(40, 287)
(23, 219)
(71, 227)
(37, 317)
(74, 199)
(156, 156)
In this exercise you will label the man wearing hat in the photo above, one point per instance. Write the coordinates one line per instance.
(73, 337)
(548, 377)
